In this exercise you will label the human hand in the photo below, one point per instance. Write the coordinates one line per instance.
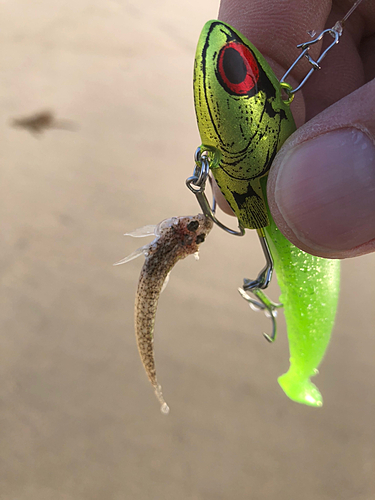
(321, 187)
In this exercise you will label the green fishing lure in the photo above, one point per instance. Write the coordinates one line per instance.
(310, 288)
(242, 118)
(243, 121)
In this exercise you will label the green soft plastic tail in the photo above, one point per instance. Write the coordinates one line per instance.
(300, 390)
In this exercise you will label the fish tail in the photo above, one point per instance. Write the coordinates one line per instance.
(300, 389)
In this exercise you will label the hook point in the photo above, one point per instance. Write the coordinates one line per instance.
(270, 339)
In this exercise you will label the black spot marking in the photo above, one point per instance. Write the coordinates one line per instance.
(193, 226)
(200, 238)
(234, 67)
(241, 198)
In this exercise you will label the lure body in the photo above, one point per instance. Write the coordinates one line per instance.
(176, 238)
(310, 288)
(242, 118)
(243, 122)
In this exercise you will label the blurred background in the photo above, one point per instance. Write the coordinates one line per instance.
(79, 420)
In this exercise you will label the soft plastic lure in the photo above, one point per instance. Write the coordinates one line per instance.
(309, 292)
(243, 120)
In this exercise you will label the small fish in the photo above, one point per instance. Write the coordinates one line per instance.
(176, 238)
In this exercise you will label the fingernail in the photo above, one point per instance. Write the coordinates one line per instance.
(325, 190)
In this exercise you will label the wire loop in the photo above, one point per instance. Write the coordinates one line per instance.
(335, 32)
(197, 183)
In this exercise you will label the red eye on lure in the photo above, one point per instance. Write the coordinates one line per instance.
(237, 69)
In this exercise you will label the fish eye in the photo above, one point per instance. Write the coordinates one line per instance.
(200, 238)
(237, 69)
(193, 225)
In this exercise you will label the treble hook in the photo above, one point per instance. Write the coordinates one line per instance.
(261, 283)
(197, 183)
(264, 304)
(264, 277)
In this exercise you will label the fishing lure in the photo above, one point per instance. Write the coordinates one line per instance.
(176, 238)
(243, 120)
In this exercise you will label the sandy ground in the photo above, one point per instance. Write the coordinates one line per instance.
(79, 420)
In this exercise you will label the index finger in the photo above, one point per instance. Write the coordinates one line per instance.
(276, 27)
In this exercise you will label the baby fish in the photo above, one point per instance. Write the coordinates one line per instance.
(176, 238)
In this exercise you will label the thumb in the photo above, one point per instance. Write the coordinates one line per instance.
(321, 188)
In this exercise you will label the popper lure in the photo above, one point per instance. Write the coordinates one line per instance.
(243, 120)
(176, 238)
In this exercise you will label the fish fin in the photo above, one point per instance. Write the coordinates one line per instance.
(133, 255)
(164, 408)
(141, 232)
(166, 281)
